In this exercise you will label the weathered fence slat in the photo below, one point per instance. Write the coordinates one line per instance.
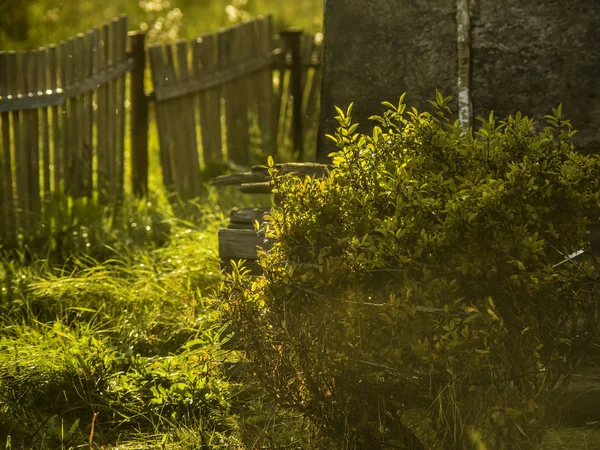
(88, 143)
(224, 59)
(33, 141)
(209, 101)
(264, 85)
(7, 198)
(53, 76)
(279, 90)
(71, 127)
(14, 88)
(178, 139)
(111, 120)
(139, 116)
(121, 49)
(188, 125)
(65, 77)
(293, 37)
(42, 82)
(242, 54)
(162, 118)
(79, 122)
(104, 117)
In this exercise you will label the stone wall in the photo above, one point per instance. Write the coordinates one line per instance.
(377, 49)
(532, 55)
(527, 55)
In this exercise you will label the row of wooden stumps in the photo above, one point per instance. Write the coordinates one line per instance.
(240, 240)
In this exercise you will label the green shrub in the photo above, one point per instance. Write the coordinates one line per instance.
(417, 296)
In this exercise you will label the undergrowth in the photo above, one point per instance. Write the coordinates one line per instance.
(119, 344)
(108, 338)
(113, 338)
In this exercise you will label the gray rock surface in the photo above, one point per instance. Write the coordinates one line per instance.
(526, 55)
(375, 50)
(532, 55)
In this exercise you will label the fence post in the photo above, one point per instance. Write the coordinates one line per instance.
(292, 37)
(139, 115)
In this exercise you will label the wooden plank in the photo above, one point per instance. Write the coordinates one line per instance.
(53, 76)
(4, 201)
(103, 114)
(252, 52)
(293, 36)
(280, 90)
(264, 36)
(239, 178)
(7, 197)
(43, 86)
(16, 85)
(139, 116)
(240, 226)
(249, 215)
(27, 133)
(158, 79)
(65, 77)
(188, 124)
(79, 181)
(72, 146)
(241, 244)
(34, 142)
(33, 101)
(306, 50)
(242, 37)
(255, 188)
(261, 173)
(215, 79)
(112, 73)
(111, 125)
(58, 97)
(90, 49)
(183, 150)
(209, 101)
(121, 27)
(224, 45)
(177, 139)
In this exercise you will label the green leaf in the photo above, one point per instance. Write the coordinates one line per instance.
(377, 134)
(349, 110)
(333, 138)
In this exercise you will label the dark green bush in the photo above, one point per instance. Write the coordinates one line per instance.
(418, 296)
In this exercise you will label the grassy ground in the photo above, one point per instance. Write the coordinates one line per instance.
(118, 345)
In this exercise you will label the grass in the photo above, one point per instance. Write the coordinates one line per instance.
(124, 339)
(119, 345)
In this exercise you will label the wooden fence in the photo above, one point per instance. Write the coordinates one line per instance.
(63, 132)
(62, 125)
(230, 94)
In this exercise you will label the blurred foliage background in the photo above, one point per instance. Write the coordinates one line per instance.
(27, 24)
